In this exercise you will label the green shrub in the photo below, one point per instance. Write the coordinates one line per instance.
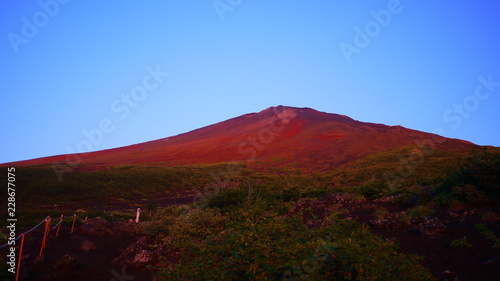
(195, 225)
(226, 198)
(481, 228)
(263, 246)
(461, 243)
(373, 190)
(381, 213)
(420, 211)
(151, 206)
(291, 194)
(162, 221)
(471, 194)
(117, 215)
(488, 234)
(179, 226)
(476, 182)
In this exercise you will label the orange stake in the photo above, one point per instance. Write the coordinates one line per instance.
(20, 257)
(46, 233)
(73, 226)
(59, 226)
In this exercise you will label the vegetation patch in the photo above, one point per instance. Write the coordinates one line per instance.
(461, 243)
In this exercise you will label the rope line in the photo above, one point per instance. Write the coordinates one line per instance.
(61, 221)
(26, 232)
(47, 222)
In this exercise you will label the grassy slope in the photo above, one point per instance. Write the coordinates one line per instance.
(37, 186)
(254, 213)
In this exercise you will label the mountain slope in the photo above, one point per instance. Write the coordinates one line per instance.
(281, 135)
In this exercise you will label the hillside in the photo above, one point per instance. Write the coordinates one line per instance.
(281, 135)
(283, 194)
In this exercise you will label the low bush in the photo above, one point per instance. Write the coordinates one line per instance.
(477, 181)
(263, 246)
(461, 243)
(194, 226)
(488, 234)
(163, 219)
(420, 211)
(381, 213)
(373, 190)
(180, 226)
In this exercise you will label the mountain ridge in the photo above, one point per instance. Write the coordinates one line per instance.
(302, 136)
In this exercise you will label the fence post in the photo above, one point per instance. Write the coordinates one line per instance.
(59, 226)
(46, 233)
(138, 215)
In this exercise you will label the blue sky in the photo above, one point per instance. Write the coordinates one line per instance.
(115, 73)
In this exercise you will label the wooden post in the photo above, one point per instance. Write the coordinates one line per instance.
(46, 233)
(59, 226)
(138, 215)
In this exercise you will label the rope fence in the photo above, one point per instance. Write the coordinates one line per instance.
(47, 221)
(22, 236)
(26, 232)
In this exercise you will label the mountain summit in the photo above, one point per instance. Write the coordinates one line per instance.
(279, 135)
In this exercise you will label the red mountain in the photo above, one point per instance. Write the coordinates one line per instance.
(279, 135)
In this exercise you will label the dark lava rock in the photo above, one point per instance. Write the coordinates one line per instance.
(87, 246)
(67, 262)
(98, 228)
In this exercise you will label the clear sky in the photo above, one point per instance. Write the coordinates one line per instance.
(117, 73)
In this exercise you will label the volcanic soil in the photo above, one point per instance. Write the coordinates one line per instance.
(64, 259)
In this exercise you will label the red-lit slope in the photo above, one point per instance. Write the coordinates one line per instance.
(278, 134)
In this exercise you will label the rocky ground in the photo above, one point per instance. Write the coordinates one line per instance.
(429, 236)
(91, 255)
(102, 251)
(117, 251)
